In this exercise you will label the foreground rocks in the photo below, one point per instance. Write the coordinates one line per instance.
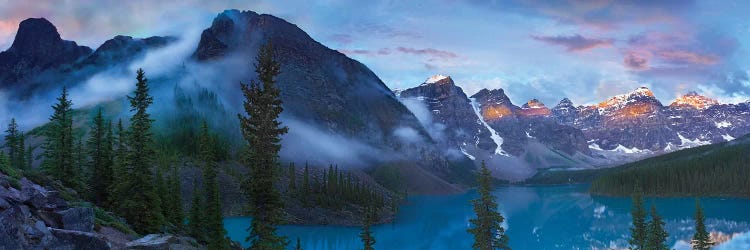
(34, 217)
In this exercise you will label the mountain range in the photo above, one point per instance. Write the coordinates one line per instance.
(340, 112)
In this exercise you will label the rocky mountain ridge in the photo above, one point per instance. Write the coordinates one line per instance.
(620, 129)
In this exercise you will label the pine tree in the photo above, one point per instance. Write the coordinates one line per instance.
(298, 246)
(262, 130)
(21, 152)
(701, 238)
(79, 164)
(638, 230)
(292, 177)
(196, 217)
(486, 228)
(29, 157)
(142, 206)
(11, 142)
(176, 216)
(119, 169)
(366, 236)
(657, 235)
(306, 180)
(100, 162)
(214, 219)
(58, 147)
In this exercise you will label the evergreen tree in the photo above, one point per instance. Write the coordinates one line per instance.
(176, 215)
(11, 143)
(58, 147)
(79, 164)
(292, 177)
(21, 155)
(99, 159)
(486, 228)
(29, 157)
(214, 219)
(657, 235)
(119, 169)
(638, 231)
(298, 246)
(262, 130)
(701, 238)
(196, 220)
(366, 236)
(142, 206)
(306, 180)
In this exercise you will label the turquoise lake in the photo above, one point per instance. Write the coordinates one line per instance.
(540, 217)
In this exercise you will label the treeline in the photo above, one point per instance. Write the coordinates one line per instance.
(334, 189)
(721, 169)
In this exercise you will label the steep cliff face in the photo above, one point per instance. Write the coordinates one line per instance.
(452, 110)
(531, 121)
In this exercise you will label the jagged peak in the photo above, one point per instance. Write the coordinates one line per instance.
(643, 91)
(439, 78)
(38, 37)
(532, 104)
(565, 102)
(694, 100)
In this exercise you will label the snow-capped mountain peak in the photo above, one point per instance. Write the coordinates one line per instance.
(436, 78)
(694, 100)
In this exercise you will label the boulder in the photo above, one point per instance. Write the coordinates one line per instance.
(78, 219)
(69, 239)
(164, 242)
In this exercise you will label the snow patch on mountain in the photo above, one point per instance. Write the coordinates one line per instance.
(435, 78)
(471, 157)
(727, 137)
(493, 134)
(723, 124)
(687, 143)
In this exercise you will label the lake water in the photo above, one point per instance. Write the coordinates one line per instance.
(544, 217)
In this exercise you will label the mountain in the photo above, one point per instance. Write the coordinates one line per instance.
(39, 60)
(513, 140)
(37, 47)
(638, 124)
(449, 107)
(325, 91)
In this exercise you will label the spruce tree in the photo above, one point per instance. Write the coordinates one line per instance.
(306, 180)
(176, 216)
(196, 217)
(292, 178)
(368, 241)
(142, 206)
(58, 147)
(638, 231)
(11, 142)
(657, 235)
(21, 162)
(298, 246)
(214, 219)
(701, 238)
(119, 169)
(99, 159)
(487, 227)
(262, 130)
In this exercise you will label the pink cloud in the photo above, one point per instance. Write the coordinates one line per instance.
(429, 52)
(575, 42)
(683, 56)
(433, 54)
(636, 61)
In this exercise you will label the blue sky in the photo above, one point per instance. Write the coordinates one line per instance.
(584, 50)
